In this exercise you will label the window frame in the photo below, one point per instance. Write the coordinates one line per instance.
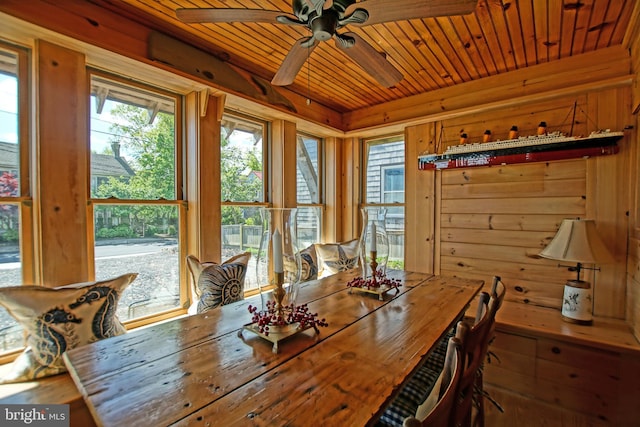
(24, 200)
(320, 204)
(178, 200)
(266, 181)
(364, 203)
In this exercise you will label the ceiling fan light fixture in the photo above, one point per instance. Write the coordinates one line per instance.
(324, 27)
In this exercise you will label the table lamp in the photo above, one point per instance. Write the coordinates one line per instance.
(577, 240)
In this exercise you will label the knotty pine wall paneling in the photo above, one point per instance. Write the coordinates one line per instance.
(62, 162)
(281, 167)
(420, 233)
(203, 181)
(633, 257)
(607, 181)
(495, 220)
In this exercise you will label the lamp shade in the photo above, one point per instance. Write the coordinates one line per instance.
(577, 240)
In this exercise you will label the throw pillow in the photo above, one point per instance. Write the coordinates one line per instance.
(59, 319)
(335, 257)
(308, 264)
(217, 284)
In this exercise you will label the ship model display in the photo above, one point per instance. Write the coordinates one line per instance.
(536, 148)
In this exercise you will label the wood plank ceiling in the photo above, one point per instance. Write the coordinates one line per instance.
(500, 36)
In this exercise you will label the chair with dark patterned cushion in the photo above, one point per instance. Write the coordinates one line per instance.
(420, 385)
(438, 407)
(476, 341)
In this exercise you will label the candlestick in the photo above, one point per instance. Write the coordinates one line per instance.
(374, 237)
(374, 265)
(277, 252)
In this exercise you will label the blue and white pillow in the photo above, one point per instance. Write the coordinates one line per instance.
(59, 319)
(336, 257)
(217, 284)
(308, 264)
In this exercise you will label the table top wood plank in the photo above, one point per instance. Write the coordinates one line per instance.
(140, 346)
(209, 363)
(348, 379)
(176, 371)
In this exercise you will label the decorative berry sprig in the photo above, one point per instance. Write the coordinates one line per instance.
(290, 314)
(369, 283)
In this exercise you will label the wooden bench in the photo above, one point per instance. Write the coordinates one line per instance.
(592, 370)
(59, 389)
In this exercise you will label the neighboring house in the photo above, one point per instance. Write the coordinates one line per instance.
(9, 158)
(105, 166)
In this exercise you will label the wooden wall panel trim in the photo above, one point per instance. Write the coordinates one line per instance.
(419, 209)
(63, 162)
(539, 188)
(608, 202)
(570, 206)
(331, 184)
(526, 172)
(349, 173)
(207, 165)
(490, 221)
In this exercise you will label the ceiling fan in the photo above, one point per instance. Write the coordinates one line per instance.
(324, 18)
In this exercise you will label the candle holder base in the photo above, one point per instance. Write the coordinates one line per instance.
(371, 285)
(381, 291)
(276, 333)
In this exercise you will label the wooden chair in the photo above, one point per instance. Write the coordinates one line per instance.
(498, 291)
(481, 333)
(476, 341)
(443, 395)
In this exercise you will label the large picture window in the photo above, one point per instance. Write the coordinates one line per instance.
(243, 187)
(309, 189)
(135, 192)
(383, 186)
(16, 255)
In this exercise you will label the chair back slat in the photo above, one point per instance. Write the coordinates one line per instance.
(476, 341)
(440, 414)
(462, 372)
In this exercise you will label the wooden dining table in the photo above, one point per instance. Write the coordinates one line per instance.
(206, 370)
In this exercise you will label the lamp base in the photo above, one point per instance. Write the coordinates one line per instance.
(577, 303)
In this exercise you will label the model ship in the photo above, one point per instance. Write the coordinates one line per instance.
(536, 148)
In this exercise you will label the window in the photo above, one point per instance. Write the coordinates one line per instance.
(383, 185)
(16, 259)
(135, 193)
(392, 184)
(243, 187)
(309, 189)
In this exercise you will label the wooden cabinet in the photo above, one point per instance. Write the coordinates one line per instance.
(584, 369)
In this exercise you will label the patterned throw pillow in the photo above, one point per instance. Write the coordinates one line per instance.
(217, 284)
(59, 319)
(335, 257)
(308, 264)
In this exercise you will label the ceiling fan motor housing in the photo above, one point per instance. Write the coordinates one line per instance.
(302, 10)
(323, 25)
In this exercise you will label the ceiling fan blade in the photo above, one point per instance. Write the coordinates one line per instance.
(294, 60)
(216, 15)
(401, 10)
(369, 59)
